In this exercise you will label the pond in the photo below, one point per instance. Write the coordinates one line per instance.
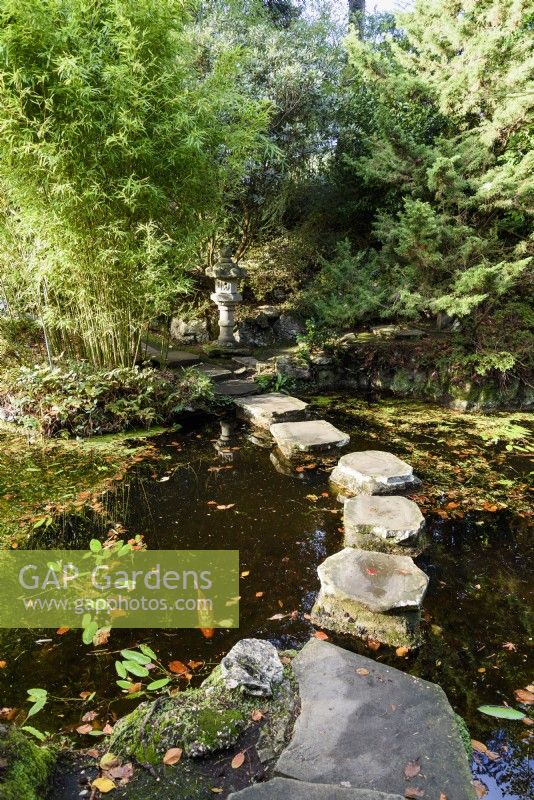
(476, 613)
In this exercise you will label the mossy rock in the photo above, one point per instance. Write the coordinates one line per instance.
(200, 721)
(27, 766)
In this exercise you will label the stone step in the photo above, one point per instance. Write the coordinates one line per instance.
(388, 524)
(363, 728)
(214, 372)
(373, 472)
(313, 437)
(287, 789)
(235, 388)
(264, 410)
(170, 358)
(371, 595)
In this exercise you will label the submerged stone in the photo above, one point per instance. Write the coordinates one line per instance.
(373, 472)
(388, 524)
(313, 436)
(287, 789)
(371, 595)
(264, 410)
(362, 730)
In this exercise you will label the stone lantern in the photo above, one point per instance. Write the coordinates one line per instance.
(226, 273)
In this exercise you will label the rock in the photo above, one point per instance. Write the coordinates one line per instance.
(246, 361)
(235, 388)
(385, 331)
(383, 523)
(287, 789)
(313, 436)
(271, 312)
(292, 367)
(410, 333)
(287, 328)
(320, 359)
(214, 372)
(254, 666)
(371, 595)
(263, 410)
(171, 358)
(364, 729)
(373, 472)
(249, 332)
(193, 331)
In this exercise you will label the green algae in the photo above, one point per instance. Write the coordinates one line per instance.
(29, 766)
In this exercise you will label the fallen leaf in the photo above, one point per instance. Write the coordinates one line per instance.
(321, 635)
(165, 478)
(481, 670)
(8, 713)
(207, 633)
(195, 664)
(285, 659)
(372, 644)
(103, 785)
(524, 696)
(372, 571)
(278, 616)
(109, 760)
(402, 651)
(480, 747)
(84, 729)
(92, 752)
(411, 769)
(122, 773)
(530, 687)
(258, 594)
(443, 796)
(107, 729)
(225, 508)
(525, 720)
(172, 756)
(362, 671)
(101, 636)
(62, 631)
(89, 716)
(85, 695)
(212, 502)
(238, 760)
(135, 687)
(177, 667)
(256, 715)
(3, 664)
(480, 789)
(216, 790)
(245, 573)
(412, 791)
(312, 497)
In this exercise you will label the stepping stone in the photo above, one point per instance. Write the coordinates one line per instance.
(215, 373)
(313, 436)
(234, 388)
(363, 729)
(371, 595)
(263, 410)
(388, 524)
(286, 789)
(172, 358)
(373, 472)
(246, 361)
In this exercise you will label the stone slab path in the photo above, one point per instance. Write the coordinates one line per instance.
(313, 436)
(214, 372)
(373, 472)
(171, 359)
(286, 789)
(374, 522)
(235, 388)
(363, 729)
(264, 410)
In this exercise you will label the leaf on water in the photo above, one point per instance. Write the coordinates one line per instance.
(165, 478)
(411, 769)
(107, 729)
(101, 636)
(238, 760)
(278, 616)
(85, 695)
(524, 696)
(509, 646)
(103, 785)
(195, 664)
(321, 635)
(177, 667)
(207, 633)
(89, 716)
(372, 644)
(256, 715)
(225, 508)
(135, 687)
(312, 497)
(480, 789)
(62, 631)
(3, 664)
(122, 773)
(84, 729)
(501, 712)
(402, 651)
(245, 573)
(443, 796)
(258, 594)
(172, 756)
(216, 790)
(479, 747)
(109, 760)
(8, 713)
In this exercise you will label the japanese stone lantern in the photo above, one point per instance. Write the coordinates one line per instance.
(226, 273)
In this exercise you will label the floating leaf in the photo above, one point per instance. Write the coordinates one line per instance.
(501, 712)
(152, 687)
(84, 729)
(402, 651)
(238, 760)
(103, 785)
(133, 655)
(177, 667)
(136, 669)
(62, 631)
(172, 756)
(321, 635)
(524, 696)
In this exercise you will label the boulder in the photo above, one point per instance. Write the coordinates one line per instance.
(264, 410)
(254, 666)
(310, 437)
(286, 789)
(388, 524)
(362, 722)
(193, 331)
(373, 472)
(371, 595)
(287, 328)
(292, 367)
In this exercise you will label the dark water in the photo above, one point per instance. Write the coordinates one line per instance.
(479, 566)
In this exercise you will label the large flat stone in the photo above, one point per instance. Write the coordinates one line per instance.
(371, 595)
(313, 436)
(287, 789)
(364, 729)
(235, 388)
(388, 524)
(264, 410)
(215, 373)
(170, 358)
(373, 472)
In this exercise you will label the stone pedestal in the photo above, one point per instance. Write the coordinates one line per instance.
(373, 472)
(227, 274)
(387, 524)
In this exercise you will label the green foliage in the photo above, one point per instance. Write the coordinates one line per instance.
(274, 383)
(117, 143)
(75, 399)
(28, 766)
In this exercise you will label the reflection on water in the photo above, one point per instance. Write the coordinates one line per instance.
(478, 565)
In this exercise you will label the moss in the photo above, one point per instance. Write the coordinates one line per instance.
(464, 735)
(28, 766)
